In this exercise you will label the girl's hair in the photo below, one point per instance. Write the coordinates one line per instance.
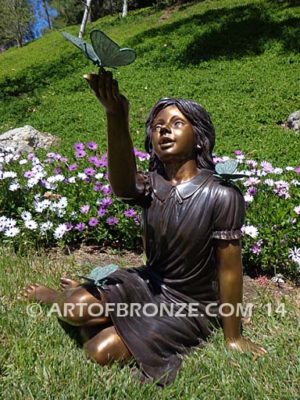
(203, 129)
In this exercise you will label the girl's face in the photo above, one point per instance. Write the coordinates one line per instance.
(172, 136)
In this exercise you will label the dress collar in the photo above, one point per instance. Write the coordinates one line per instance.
(162, 188)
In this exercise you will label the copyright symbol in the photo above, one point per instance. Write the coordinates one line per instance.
(34, 310)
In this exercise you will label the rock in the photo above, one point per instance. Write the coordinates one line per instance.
(293, 121)
(26, 139)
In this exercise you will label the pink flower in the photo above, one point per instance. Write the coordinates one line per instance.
(93, 222)
(85, 209)
(78, 146)
(112, 220)
(297, 210)
(80, 154)
(130, 213)
(89, 171)
(92, 145)
(72, 167)
(266, 166)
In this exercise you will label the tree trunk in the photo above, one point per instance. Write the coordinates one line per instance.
(47, 14)
(85, 18)
(125, 8)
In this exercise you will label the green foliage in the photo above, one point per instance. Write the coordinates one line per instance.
(15, 19)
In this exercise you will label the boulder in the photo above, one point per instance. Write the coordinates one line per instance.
(293, 121)
(25, 140)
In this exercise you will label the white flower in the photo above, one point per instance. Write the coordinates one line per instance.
(289, 168)
(240, 158)
(3, 223)
(10, 223)
(294, 255)
(99, 175)
(9, 174)
(251, 181)
(56, 178)
(72, 179)
(259, 172)
(278, 171)
(245, 172)
(23, 161)
(31, 224)
(40, 206)
(60, 231)
(14, 186)
(46, 226)
(60, 212)
(269, 182)
(62, 203)
(297, 210)
(16, 156)
(82, 175)
(12, 232)
(295, 182)
(248, 198)
(26, 216)
(8, 158)
(32, 182)
(250, 230)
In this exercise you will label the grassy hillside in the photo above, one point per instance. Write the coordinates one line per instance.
(240, 59)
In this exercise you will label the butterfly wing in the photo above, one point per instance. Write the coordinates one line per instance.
(109, 52)
(228, 167)
(85, 47)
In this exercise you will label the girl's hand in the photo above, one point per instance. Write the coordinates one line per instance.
(244, 346)
(106, 90)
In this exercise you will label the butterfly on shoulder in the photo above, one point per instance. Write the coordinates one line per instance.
(225, 170)
(103, 51)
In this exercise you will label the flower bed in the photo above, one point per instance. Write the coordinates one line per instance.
(60, 200)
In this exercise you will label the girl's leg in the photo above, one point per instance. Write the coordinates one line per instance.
(79, 306)
(107, 346)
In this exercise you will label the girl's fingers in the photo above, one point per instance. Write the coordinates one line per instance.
(93, 81)
(108, 83)
(101, 84)
(115, 89)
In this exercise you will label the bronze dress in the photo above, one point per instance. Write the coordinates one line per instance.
(179, 225)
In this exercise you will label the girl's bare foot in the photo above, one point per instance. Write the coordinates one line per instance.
(67, 283)
(40, 293)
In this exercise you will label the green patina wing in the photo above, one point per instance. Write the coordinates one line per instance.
(227, 167)
(109, 52)
(86, 48)
(99, 275)
(226, 170)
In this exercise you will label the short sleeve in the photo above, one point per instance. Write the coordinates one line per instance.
(144, 190)
(229, 213)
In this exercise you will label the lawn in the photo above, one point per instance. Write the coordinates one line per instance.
(38, 361)
(240, 59)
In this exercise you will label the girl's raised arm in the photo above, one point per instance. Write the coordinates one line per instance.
(121, 160)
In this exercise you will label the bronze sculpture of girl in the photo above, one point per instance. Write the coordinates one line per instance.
(191, 232)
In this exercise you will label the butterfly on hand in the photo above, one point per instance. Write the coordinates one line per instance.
(225, 170)
(103, 51)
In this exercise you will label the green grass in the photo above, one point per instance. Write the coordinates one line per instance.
(38, 361)
(239, 58)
